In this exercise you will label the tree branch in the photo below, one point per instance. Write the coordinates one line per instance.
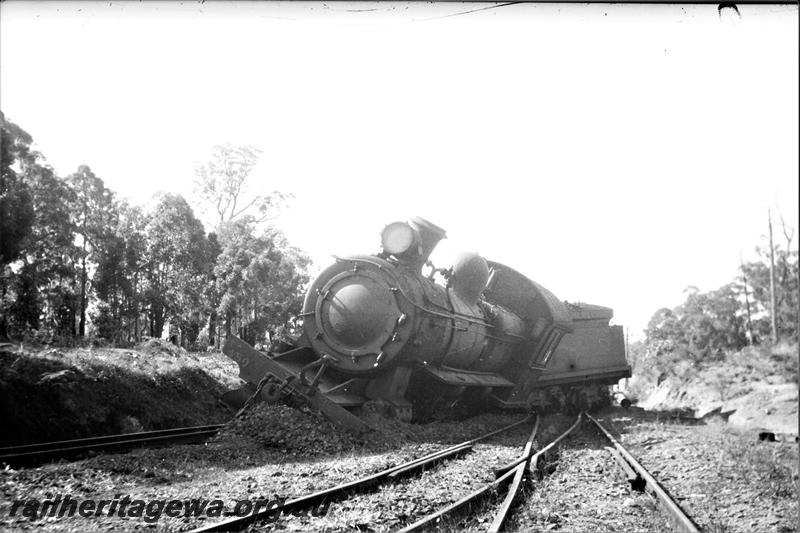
(245, 208)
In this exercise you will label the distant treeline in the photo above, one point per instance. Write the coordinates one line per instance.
(710, 326)
(739, 313)
(78, 262)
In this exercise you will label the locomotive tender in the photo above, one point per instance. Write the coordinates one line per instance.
(377, 329)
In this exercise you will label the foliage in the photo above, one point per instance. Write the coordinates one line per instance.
(787, 276)
(716, 327)
(704, 326)
(92, 212)
(179, 259)
(36, 234)
(222, 185)
(260, 279)
(76, 261)
(708, 324)
(16, 204)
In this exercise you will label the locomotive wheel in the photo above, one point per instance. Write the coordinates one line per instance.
(387, 410)
(403, 414)
(271, 393)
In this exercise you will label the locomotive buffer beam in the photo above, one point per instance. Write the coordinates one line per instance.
(254, 365)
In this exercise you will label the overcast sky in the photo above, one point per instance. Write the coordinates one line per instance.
(615, 154)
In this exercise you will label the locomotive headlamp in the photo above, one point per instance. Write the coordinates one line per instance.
(398, 238)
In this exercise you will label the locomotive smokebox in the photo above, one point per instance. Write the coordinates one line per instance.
(354, 312)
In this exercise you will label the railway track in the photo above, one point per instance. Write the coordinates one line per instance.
(530, 462)
(30, 454)
(508, 479)
(511, 475)
(640, 479)
(361, 485)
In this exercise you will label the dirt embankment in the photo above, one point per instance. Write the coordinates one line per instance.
(54, 393)
(754, 389)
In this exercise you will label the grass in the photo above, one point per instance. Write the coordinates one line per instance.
(765, 473)
(771, 467)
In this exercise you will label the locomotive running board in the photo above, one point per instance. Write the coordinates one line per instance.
(465, 378)
(254, 365)
(612, 374)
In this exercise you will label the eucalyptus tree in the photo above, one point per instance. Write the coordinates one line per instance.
(16, 203)
(16, 208)
(37, 236)
(121, 260)
(179, 261)
(93, 214)
(260, 279)
(787, 292)
(52, 258)
(224, 187)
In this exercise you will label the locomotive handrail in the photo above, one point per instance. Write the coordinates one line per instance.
(470, 318)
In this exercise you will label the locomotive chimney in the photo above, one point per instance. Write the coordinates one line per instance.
(430, 234)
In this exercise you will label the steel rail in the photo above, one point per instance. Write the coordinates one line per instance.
(683, 521)
(339, 491)
(504, 478)
(41, 452)
(516, 484)
(634, 480)
(429, 521)
(533, 460)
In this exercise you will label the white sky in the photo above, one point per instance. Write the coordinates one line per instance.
(615, 154)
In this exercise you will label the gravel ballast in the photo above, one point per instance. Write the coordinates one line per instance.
(727, 481)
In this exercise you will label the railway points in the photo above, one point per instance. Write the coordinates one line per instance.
(359, 485)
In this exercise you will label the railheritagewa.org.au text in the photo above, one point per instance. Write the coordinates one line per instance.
(150, 511)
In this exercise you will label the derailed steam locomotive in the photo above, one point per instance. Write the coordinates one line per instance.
(377, 329)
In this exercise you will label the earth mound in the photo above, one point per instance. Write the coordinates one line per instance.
(58, 394)
(753, 389)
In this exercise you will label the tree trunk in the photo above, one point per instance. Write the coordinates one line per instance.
(772, 298)
(158, 323)
(228, 324)
(82, 326)
(749, 331)
(212, 328)
(3, 319)
(136, 311)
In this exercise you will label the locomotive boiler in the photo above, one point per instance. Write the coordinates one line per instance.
(392, 331)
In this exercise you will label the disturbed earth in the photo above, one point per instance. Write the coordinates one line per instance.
(52, 393)
(727, 480)
(725, 477)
